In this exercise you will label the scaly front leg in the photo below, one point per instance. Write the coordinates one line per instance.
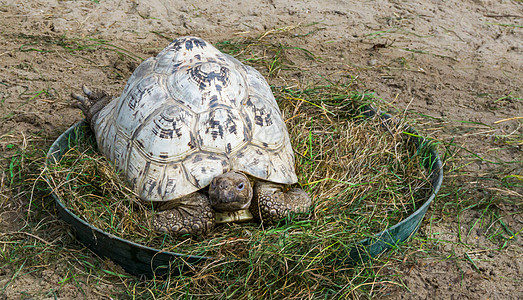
(271, 204)
(190, 215)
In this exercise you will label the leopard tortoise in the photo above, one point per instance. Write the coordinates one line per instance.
(193, 117)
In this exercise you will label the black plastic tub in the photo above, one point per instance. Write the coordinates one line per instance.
(139, 260)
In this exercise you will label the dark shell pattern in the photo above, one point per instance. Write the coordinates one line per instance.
(190, 114)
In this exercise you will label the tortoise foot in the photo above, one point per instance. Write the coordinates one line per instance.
(271, 203)
(196, 219)
(92, 103)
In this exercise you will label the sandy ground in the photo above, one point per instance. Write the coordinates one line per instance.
(459, 62)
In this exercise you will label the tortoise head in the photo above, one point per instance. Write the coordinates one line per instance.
(230, 191)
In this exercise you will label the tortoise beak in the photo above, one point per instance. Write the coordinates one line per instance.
(229, 204)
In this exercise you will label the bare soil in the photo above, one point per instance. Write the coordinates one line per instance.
(455, 68)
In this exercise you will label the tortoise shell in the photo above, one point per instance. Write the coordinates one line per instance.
(189, 114)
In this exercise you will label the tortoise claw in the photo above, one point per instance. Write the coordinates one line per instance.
(85, 100)
(87, 91)
(80, 98)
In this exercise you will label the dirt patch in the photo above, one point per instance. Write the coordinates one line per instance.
(453, 67)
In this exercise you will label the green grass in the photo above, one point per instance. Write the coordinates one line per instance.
(46, 44)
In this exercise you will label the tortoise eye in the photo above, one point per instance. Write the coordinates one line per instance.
(240, 186)
(213, 184)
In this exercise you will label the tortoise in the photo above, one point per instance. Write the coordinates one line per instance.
(200, 135)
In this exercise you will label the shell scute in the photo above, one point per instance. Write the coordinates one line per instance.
(142, 102)
(253, 160)
(153, 182)
(203, 167)
(267, 123)
(221, 131)
(167, 136)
